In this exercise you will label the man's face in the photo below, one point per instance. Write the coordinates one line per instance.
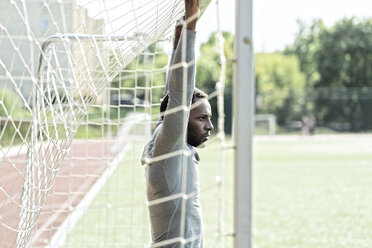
(200, 124)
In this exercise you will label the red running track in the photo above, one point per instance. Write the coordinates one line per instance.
(81, 168)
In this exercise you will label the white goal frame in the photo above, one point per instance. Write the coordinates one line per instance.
(270, 119)
(243, 110)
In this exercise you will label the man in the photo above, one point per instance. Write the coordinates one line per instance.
(172, 161)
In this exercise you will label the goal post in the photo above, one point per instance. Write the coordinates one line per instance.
(243, 123)
(265, 122)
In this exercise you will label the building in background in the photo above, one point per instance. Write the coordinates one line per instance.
(24, 25)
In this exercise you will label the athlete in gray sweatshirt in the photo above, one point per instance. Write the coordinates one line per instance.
(170, 157)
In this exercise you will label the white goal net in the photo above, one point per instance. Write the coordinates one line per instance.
(80, 86)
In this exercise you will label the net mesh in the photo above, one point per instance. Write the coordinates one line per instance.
(56, 95)
(61, 72)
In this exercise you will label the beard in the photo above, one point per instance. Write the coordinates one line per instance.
(192, 138)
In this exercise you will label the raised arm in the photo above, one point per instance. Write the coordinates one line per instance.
(172, 134)
(177, 35)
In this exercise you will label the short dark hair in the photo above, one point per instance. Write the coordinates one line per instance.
(197, 94)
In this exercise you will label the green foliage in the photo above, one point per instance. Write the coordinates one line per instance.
(344, 57)
(344, 62)
(11, 105)
(304, 47)
(209, 65)
(12, 132)
(279, 86)
(279, 83)
(208, 71)
(148, 69)
(337, 62)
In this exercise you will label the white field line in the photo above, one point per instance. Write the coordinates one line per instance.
(55, 216)
(59, 238)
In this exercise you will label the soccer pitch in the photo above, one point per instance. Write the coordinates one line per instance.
(309, 191)
(313, 191)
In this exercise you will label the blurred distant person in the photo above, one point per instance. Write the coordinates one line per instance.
(308, 125)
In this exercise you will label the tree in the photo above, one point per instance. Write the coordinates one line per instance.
(11, 105)
(304, 47)
(12, 132)
(280, 86)
(337, 62)
(279, 82)
(208, 65)
(208, 71)
(148, 69)
(344, 63)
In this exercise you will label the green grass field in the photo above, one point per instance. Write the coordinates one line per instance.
(313, 192)
(308, 192)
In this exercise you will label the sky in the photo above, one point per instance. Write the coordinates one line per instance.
(275, 22)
